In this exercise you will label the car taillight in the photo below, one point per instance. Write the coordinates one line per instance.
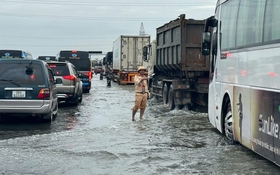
(44, 94)
(89, 75)
(69, 77)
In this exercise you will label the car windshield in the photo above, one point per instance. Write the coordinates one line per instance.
(18, 74)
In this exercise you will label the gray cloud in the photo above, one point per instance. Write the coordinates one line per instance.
(45, 27)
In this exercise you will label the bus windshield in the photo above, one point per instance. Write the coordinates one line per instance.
(47, 58)
(80, 59)
(14, 54)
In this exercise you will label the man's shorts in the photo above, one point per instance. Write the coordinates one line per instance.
(140, 101)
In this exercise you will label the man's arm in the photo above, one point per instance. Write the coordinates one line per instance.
(137, 80)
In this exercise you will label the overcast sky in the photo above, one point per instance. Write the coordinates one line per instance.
(44, 27)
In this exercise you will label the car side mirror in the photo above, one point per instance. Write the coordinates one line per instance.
(58, 81)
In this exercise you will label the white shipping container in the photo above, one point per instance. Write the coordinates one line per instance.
(127, 52)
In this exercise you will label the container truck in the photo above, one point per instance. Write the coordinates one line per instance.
(127, 57)
(179, 73)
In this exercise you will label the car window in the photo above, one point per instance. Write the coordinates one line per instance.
(18, 73)
(51, 78)
(59, 69)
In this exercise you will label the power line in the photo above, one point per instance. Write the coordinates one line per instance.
(102, 3)
(53, 38)
(80, 17)
(63, 45)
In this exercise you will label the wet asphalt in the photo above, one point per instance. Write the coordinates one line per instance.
(98, 138)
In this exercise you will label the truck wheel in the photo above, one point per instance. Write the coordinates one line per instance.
(171, 102)
(165, 94)
(151, 90)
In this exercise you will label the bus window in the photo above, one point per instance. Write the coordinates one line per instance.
(272, 23)
(15, 54)
(47, 58)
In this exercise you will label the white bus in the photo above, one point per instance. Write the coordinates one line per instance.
(243, 41)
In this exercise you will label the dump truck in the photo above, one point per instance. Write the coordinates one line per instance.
(178, 72)
(127, 57)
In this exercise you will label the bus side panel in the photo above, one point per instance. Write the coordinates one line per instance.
(241, 110)
(263, 123)
(276, 111)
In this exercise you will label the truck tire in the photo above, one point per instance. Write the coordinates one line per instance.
(151, 90)
(165, 94)
(171, 102)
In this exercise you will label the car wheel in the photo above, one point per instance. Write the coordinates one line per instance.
(47, 117)
(75, 101)
(81, 98)
(55, 111)
(85, 90)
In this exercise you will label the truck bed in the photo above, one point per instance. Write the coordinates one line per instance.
(178, 46)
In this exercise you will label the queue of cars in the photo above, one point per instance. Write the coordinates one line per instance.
(34, 88)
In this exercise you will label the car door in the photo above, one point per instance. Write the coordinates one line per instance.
(78, 81)
(53, 89)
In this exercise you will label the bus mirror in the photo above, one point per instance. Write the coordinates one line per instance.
(205, 44)
(145, 53)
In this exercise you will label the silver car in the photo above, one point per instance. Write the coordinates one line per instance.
(70, 90)
(27, 88)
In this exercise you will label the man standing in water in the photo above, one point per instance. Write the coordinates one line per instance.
(141, 92)
(109, 76)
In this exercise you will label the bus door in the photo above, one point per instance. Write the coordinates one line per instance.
(214, 85)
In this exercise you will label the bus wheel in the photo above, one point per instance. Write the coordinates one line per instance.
(171, 103)
(228, 124)
(165, 94)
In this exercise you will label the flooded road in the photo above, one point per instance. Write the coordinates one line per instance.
(99, 138)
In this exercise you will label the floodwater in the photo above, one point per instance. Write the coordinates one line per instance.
(98, 138)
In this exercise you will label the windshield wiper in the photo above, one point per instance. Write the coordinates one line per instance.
(11, 81)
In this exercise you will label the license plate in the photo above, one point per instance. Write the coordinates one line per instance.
(18, 94)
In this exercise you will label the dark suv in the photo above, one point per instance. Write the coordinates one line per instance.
(27, 88)
(70, 90)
